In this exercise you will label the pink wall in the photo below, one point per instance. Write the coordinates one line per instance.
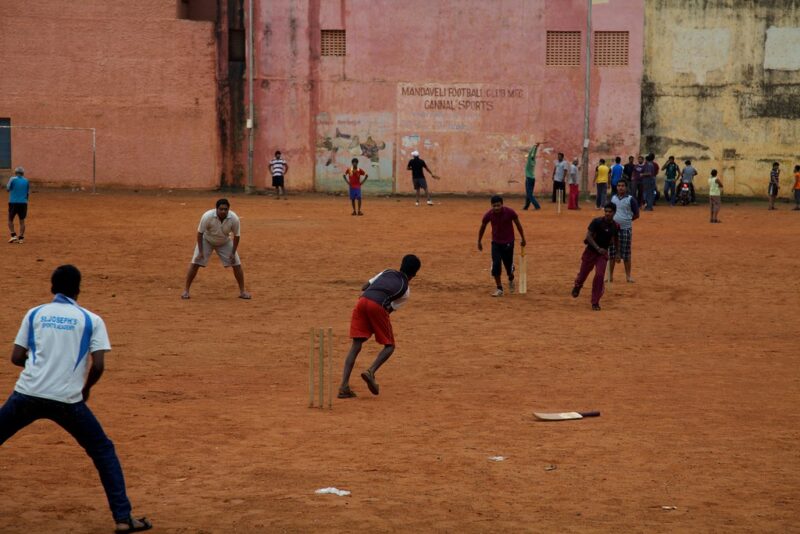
(492, 51)
(144, 79)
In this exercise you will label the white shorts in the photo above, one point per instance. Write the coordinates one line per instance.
(223, 251)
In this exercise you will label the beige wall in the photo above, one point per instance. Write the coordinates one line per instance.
(722, 87)
(145, 80)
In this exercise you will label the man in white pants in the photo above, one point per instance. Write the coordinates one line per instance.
(213, 233)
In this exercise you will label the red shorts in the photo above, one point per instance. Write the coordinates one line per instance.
(369, 318)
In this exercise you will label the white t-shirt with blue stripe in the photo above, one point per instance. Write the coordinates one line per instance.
(59, 337)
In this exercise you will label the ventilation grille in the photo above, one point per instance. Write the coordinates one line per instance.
(563, 49)
(334, 43)
(611, 49)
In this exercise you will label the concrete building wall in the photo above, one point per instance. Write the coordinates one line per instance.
(722, 87)
(465, 83)
(131, 69)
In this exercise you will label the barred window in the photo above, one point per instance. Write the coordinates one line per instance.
(334, 43)
(563, 49)
(611, 49)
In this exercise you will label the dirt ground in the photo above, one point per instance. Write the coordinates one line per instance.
(694, 368)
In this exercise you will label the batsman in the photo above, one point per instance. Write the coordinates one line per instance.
(385, 292)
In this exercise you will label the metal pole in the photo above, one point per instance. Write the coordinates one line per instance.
(94, 161)
(585, 156)
(251, 114)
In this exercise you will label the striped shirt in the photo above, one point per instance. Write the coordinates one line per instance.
(773, 176)
(277, 167)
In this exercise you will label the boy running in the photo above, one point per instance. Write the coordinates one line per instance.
(384, 293)
(353, 178)
(502, 218)
(603, 231)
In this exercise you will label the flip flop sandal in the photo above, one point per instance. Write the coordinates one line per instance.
(369, 378)
(144, 524)
(346, 394)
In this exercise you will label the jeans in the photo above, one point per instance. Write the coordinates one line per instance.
(21, 410)
(670, 192)
(649, 192)
(529, 198)
(601, 195)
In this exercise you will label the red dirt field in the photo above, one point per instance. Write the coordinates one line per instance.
(694, 368)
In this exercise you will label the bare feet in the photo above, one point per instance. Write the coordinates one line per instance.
(245, 295)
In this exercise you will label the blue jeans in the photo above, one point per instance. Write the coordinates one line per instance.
(669, 191)
(21, 410)
(649, 192)
(529, 198)
(601, 195)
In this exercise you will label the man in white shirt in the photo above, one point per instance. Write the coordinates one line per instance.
(559, 174)
(62, 347)
(213, 233)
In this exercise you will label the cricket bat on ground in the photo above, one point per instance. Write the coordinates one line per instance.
(564, 416)
(523, 272)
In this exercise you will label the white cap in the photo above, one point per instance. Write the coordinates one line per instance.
(19, 170)
(415, 153)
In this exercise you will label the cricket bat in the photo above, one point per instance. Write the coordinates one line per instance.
(564, 416)
(523, 272)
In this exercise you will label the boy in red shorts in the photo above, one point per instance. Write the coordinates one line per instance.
(383, 294)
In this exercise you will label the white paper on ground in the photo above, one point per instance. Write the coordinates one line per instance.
(333, 491)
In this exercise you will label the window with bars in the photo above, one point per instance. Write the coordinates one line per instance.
(610, 49)
(563, 49)
(334, 43)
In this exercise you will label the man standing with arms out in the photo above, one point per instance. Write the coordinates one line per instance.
(687, 177)
(617, 171)
(278, 167)
(603, 232)
(671, 171)
(574, 187)
(383, 294)
(55, 345)
(213, 233)
(530, 179)
(417, 166)
(18, 193)
(601, 181)
(503, 220)
(559, 174)
(627, 212)
(774, 184)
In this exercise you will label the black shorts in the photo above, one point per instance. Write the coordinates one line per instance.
(419, 183)
(503, 253)
(277, 181)
(772, 190)
(20, 209)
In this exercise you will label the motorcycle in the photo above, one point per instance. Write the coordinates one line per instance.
(684, 194)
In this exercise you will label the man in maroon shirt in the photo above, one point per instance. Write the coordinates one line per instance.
(502, 218)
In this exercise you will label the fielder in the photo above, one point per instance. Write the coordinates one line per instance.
(213, 233)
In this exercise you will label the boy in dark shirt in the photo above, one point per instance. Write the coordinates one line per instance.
(417, 166)
(602, 232)
(383, 294)
(501, 218)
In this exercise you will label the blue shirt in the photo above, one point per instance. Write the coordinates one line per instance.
(18, 187)
(616, 174)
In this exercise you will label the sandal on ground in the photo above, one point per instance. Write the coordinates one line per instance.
(245, 295)
(369, 378)
(353, 213)
(360, 213)
(346, 393)
(134, 525)
(595, 307)
(185, 295)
